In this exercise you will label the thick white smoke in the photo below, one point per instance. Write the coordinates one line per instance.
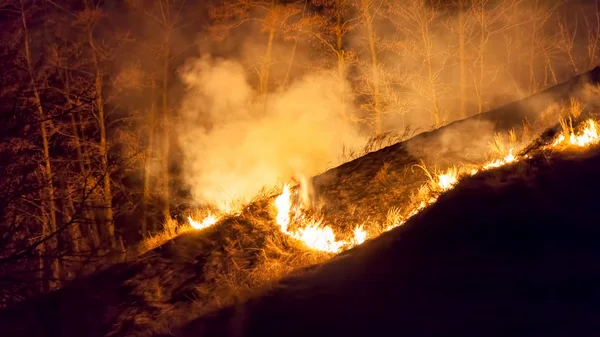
(233, 146)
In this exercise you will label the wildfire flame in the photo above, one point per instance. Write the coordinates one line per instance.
(447, 180)
(207, 222)
(284, 206)
(360, 235)
(500, 162)
(313, 234)
(317, 236)
(588, 136)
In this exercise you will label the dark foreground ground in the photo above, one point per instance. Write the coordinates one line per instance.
(511, 252)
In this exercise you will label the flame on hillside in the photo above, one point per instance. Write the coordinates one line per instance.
(318, 236)
(586, 137)
(207, 222)
(447, 180)
(312, 232)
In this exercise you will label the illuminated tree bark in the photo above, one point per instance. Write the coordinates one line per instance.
(368, 20)
(49, 217)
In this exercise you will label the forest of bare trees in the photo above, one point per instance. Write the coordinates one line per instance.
(92, 91)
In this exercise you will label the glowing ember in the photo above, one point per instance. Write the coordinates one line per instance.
(207, 222)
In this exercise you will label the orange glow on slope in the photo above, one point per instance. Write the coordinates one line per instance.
(360, 235)
(284, 206)
(207, 222)
(312, 233)
(588, 136)
(447, 180)
(510, 158)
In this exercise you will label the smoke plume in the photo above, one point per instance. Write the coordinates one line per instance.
(235, 144)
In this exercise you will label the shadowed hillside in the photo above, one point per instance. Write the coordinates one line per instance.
(419, 264)
(508, 252)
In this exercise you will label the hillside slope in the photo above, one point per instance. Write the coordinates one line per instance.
(386, 178)
(509, 252)
(200, 271)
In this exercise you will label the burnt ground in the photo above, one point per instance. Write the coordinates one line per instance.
(243, 255)
(509, 252)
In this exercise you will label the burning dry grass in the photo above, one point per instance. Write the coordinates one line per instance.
(203, 270)
(240, 255)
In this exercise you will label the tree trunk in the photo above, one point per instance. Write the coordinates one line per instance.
(374, 65)
(149, 150)
(482, 42)
(532, 51)
(104, 161)
(430, 74)
(51, 226)
(103, 149)
(462, 59)
(294, 49)
(266, 66)
(341, 59)
(166, 126)
(88, 216)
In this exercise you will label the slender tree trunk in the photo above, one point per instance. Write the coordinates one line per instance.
(104, 161)
(594, 46)
(88, 216)
(374, 64)
(149, 150)
(532, 51)
(93, 228)
(51, 226)
(430, 74)
(79, 241)
(482, 42)
(462, 59)
(266, 66)
(166, 127)
(294, 49)
(341, 58)
(103, 149)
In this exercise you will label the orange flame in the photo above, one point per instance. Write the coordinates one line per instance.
(447, 180)
(588, 136)
(360, 235)
(313, 234)
(207, 222)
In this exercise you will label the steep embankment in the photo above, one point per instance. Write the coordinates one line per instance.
(508, 252)
(200, 271)
(367, 187)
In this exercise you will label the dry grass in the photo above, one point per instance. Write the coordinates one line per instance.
(378, 142)
(201, 271)
(575, 107)
(171, 229)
